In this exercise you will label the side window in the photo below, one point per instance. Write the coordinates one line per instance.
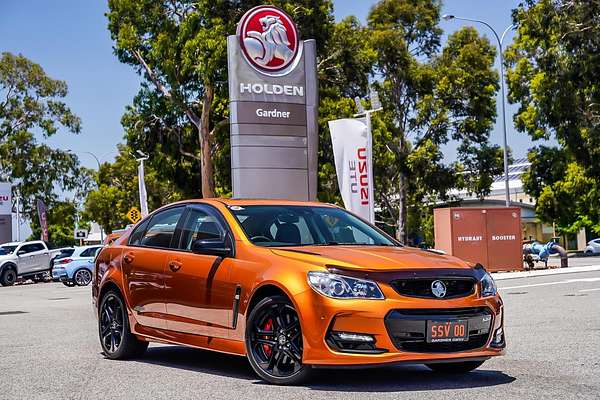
(27, 248)
(37, 247)
(161, 228)
(200, 225)
(136, 237)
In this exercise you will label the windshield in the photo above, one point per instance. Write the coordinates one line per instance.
(7, 249)
(279, 225)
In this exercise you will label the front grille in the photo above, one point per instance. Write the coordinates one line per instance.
(407, 328)
(421, 287)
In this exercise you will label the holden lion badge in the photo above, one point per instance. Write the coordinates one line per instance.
(438, 288)
(268, 38)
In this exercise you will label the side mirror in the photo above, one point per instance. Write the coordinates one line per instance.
(211, 247)
(21, 252)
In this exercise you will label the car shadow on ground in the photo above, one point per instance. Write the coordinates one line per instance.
(404, 378)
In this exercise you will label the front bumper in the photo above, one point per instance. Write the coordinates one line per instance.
(397, 326)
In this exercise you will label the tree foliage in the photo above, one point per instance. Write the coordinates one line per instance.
(554, 68)
(31, 107)
(431, 95)
(117, 191)
(61, 224)
(180, 47)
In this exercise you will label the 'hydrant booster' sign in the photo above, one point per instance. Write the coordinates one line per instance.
(273, 108)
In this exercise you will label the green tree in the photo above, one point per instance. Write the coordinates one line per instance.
(31, 105)
(554, 64)
(61, 224)
(181, 49)
(431, 96)
(117, 191)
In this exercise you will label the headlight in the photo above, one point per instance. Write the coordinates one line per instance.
(488, 286)
(343, 287)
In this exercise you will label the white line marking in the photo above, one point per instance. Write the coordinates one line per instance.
(544, 272)
(589, 290)
(552, 283)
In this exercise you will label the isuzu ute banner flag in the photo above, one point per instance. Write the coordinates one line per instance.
(5, 212)
(353, 163)
(273, 108)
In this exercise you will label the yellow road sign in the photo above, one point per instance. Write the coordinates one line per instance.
(134, 215)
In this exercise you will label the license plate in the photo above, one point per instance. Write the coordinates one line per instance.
(447, 331)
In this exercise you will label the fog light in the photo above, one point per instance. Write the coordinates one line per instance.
(498, 338)
(354, 337)
(350, 342)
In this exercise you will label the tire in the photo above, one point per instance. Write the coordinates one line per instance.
(82, 277)
(455, 368)
(116, 339)
(8, 277)
(274, 342)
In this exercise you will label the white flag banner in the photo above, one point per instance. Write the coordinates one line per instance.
(351, 139)
(142, 189)
(5, 198)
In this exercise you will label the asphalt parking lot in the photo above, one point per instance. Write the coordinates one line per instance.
(49, 350)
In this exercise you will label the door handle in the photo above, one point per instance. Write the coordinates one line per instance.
(175, 265)
(128, 258)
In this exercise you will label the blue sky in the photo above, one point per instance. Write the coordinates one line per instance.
(70, 40)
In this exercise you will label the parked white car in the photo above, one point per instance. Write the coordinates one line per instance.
(76, 269)
(593, 247)
(28, 260)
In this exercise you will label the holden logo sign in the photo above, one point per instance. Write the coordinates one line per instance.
(438, 288)
(268, 38)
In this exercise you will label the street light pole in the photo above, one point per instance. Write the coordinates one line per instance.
(97, 161)
(500, 39)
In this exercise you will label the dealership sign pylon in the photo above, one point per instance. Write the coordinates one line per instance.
(273, 108)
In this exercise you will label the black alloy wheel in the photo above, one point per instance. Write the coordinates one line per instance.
(115, 337)
(82, 277)
(112, 323)
(274, 342)
(9, 277)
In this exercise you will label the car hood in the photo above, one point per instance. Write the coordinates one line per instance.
(5, 257)
(371, 258)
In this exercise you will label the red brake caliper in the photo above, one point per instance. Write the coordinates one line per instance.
(268, 327)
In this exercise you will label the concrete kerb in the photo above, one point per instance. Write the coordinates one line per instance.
(498, 276)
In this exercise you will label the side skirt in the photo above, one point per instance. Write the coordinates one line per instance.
(226, 346)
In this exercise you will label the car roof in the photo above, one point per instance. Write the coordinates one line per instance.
(256, 202)
(11, 244)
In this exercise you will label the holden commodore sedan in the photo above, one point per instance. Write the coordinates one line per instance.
(293, 286)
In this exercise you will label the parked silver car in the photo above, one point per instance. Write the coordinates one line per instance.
(27, 260)
(76, 269)
(593, 247)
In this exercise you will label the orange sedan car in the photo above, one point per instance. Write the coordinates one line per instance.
(293, 286)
